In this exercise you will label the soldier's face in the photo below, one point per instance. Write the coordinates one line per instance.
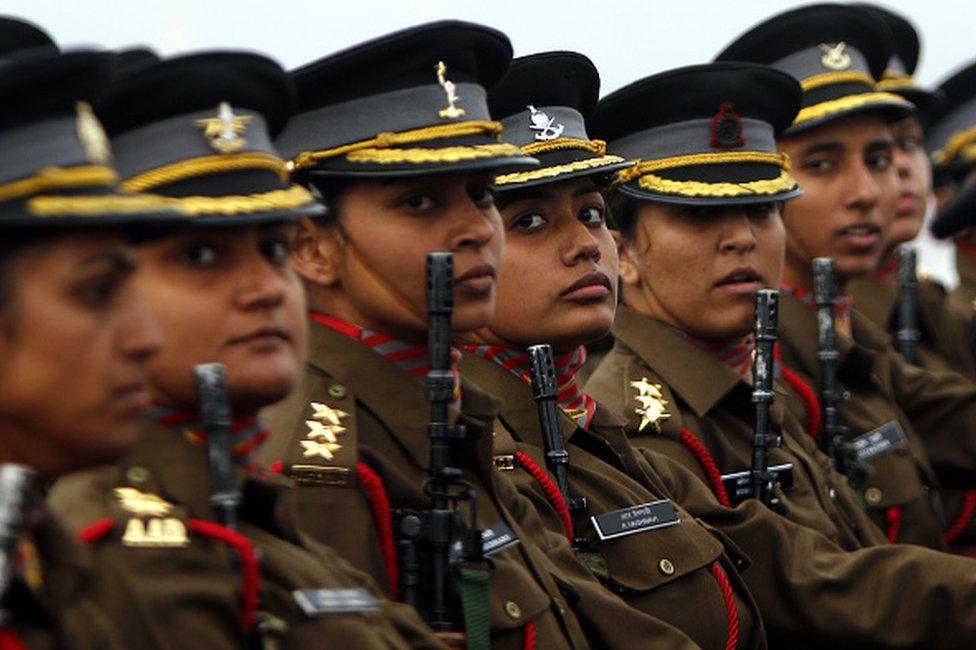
(914, 180)
(558, 277)
(698, 269)
(370, 267)
(225, 295)
(850, 191)
(74, 342)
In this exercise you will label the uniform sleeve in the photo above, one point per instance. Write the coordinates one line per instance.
(813, 594)
(607, 620)
(942, 408)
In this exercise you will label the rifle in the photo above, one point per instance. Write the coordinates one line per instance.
(16, 485)
(833, 435)
(443, 529)
(215, 411)
(765, 486)
(545, 393)
(907, 335)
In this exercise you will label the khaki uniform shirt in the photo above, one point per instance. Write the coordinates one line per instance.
(164, 585)
(944, 332)
(964, 295)
(656, 570)
(384, 419)
(936, 411)
(58, 611)
(843, 586)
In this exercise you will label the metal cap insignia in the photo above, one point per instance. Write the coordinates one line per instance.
(542, 124)
(92, 135)
(727, 128)
(452, 111)
(650, 404)
(224, 131)
(835, 58)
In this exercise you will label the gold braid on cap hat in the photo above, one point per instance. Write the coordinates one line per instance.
(380, 150)
(644, 170)
(962, 146)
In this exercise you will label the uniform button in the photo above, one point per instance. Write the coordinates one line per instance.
(666, 566)
(337, 391)
(873, 495)
(513, 610)
(136, 474)
(832, 493)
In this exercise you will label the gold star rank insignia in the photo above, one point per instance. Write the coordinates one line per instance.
(323, 431)
(835, 58)
(142, 503)
(452, 111)
(650, 404)
(224, 131)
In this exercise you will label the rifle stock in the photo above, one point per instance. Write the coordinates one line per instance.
(16, 484)
(764, 482)
(211, 382)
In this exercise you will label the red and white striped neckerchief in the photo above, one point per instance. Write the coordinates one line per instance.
(842, 311)
(572, 400)
(888, 271)
(246, 434)
(408, 357)
(738, 355)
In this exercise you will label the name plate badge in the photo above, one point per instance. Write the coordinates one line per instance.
(497, 538)
(880, 441)
(321, 602)
(738, 485)
(636, 519)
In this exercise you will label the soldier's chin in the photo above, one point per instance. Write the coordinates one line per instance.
(248, 396)
(468, 318)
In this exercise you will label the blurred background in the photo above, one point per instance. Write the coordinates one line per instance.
(627, 39)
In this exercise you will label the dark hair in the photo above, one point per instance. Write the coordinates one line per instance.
(622, 212)
(13, 245)
(328, 190)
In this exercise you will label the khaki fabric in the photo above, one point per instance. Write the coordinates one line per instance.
(964, 295)
(630, 565)
(188, 596)
(60, 612)
(538, 581)
(832, 581)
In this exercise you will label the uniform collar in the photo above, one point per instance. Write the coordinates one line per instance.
(692, 374)
(875, 298)
(394, 397)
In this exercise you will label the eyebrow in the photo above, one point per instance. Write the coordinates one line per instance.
(883, 142)
(121, 261)
(823, 147)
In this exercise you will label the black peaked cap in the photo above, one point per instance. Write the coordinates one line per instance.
(950, 130)
(958, 213)
(142, 94)
(547, 79)
(17, 35)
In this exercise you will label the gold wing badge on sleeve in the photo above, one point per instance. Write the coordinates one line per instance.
(650, 404)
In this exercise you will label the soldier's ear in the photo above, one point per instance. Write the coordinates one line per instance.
(628, 267)
(316, 253)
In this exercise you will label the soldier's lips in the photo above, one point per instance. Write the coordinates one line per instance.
(864, 236)
(263, 336)
(741, 280)
(592, 286)
(133, 399)
(907, 205)
(477, 280)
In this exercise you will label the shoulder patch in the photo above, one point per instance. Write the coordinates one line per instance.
(650, 404)
(323, 447)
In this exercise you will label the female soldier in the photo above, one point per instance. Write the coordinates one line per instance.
(914, 429)
(557, 239)
(173, 569)
(68, 311)
(396, 136)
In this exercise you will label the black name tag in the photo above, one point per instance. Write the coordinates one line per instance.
(497, 538)
(738, 485)
(880, 441)
(637, 519)
(320, 602)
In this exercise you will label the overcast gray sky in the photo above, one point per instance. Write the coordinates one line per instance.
(627, 39)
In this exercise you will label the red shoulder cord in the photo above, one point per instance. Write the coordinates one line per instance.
(701, 453)
(963, 518)
(893, 516)
(552, 492)
(10, 641)
(250, 569)
(380, 504)
(732, 638)
(528, 637)
(807, 395)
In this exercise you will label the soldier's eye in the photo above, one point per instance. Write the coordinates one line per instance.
(528, 222)
(275, 250)
(591, 215)
(201, 255)
(419, 202)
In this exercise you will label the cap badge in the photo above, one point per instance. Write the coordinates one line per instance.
(542, 124)
(835, 58)
(727, 128)
(224, 131)
(452, 111)
(323, 432)
(650, 404)
(92, 135)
